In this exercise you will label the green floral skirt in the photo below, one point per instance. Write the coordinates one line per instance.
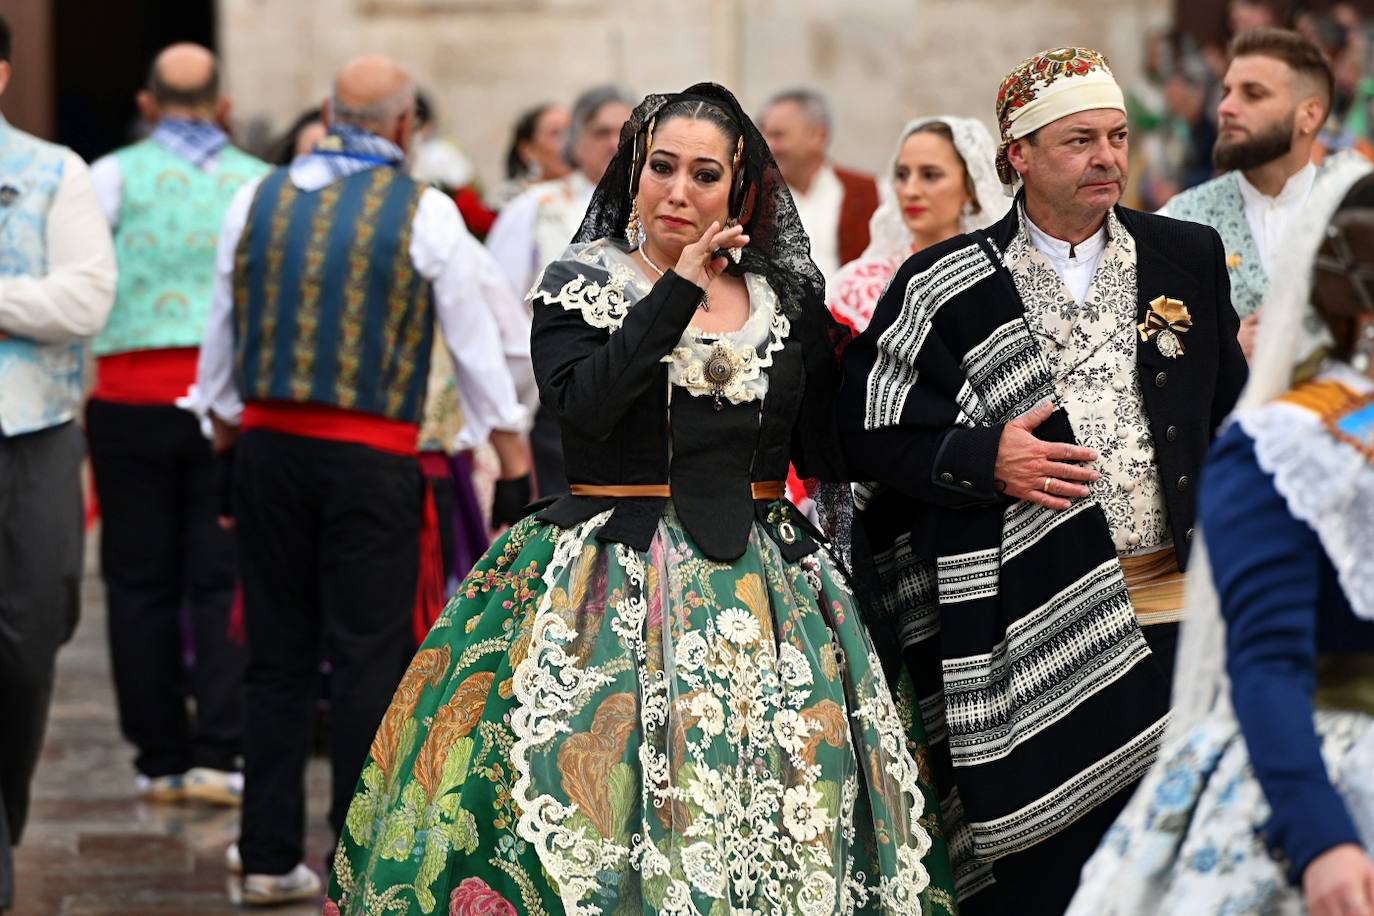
(594, 729)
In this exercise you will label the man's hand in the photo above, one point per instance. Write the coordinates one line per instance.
(1037, 471)
(1249, 333)
(224, 435)
(1340, 882)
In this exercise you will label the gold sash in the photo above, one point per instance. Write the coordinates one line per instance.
(1156, 586)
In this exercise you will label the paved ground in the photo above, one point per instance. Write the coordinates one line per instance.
(92, 849)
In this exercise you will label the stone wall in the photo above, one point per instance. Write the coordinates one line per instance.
(881, 62)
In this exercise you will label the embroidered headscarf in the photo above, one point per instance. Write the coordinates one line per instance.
(1053, 84)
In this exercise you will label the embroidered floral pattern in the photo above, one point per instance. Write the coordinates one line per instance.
(1193, 839)
(654, 731)
(1090, 348)
(1218, 203)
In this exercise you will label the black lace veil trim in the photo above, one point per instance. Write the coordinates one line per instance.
(778, 248)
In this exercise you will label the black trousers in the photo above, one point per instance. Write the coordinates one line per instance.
(1041, 880)
(41, 538)
(328, 538)
(165, 560)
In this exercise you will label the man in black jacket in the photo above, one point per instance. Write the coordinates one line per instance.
(1033, 404)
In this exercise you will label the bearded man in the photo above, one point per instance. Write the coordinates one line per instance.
(1033, 403)
(1275, 97)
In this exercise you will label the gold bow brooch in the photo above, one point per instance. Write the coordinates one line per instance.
(1164, 323)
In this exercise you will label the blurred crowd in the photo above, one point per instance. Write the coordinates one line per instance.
(1174, 108)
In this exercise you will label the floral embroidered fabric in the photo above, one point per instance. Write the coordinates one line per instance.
(592, 729)
(1197, 844)
(1090, 349)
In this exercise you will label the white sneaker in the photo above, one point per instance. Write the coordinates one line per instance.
(170, 788)
(216, 787)
(300, 883)
(232, 860)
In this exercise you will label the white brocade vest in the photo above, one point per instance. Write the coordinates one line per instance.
(1090, 349)
(41, 384)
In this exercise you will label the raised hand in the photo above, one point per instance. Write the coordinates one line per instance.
(1041, 472)
(699, 262)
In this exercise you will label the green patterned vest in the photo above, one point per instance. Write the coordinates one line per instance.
(1217, 203)
(169, 220)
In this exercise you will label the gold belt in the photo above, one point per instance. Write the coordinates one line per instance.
(1155, 585)
(761, 489)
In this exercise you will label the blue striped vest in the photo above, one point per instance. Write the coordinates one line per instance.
(328, 307)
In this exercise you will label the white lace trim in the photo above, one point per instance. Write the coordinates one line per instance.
(572, 857)
(603, 305)
(1327, 484)
(766, 322)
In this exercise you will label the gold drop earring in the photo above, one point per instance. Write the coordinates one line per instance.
(633, 229)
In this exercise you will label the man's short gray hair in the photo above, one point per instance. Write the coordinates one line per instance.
(812, 104)
(586, 107)
(382, 113)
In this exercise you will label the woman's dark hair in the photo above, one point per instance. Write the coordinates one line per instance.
(941, 129)
(525, 129)
(700, 110)
(1343, 275)
(283, 149)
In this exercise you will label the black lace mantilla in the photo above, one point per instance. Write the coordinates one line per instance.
(778, 247)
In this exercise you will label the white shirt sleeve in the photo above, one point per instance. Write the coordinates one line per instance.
(215, 389)
(109, 187)
(511, 242)
(75, 296)
(440, 249)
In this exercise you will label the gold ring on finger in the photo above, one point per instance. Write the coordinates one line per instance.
(1048, 481)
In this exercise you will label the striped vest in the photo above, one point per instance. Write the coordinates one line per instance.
(328, 307)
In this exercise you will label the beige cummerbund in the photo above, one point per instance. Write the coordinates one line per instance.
(1156, 586)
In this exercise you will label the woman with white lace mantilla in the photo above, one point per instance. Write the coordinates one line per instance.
(941, 182)
(1262, 801)
(656, 695)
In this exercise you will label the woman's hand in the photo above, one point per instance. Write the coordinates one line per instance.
(699, 262)
(1340, 882)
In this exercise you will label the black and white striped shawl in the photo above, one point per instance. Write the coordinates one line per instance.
(1039, 697)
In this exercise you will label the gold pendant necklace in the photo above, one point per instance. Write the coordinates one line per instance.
(705, 297)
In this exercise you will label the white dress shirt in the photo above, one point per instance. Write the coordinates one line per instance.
(442, 251)
(534, 229)
(1075, 264)
(819, 209)
(1270, 218)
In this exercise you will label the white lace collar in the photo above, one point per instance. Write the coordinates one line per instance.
(1327, 483)
(729, 366)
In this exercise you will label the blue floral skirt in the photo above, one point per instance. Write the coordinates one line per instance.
(1192, 840)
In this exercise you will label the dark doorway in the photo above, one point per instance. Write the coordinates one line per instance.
(101, 55)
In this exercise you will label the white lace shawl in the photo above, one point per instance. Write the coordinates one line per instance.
(888, 235)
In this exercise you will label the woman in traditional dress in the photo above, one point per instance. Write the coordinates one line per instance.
(942, 183)
(657, 695)
(1263, 799)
